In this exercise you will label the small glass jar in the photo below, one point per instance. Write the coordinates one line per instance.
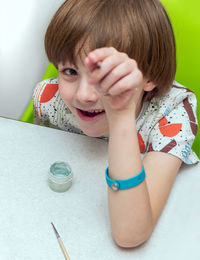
(60, 176)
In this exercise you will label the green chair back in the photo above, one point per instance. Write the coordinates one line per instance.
(185, 19)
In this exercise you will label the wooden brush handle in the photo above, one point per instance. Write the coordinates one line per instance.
(63, 249)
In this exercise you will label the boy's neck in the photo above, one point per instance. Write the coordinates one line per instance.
(139, 105)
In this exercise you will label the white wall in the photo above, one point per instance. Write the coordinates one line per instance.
(22, 57)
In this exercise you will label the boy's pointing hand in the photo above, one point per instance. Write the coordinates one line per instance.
(115, 76)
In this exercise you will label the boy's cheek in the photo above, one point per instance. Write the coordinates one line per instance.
(64, 93)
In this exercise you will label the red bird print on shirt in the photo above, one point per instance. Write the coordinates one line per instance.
(168, 130)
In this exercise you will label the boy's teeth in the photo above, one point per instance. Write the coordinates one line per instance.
(96, 111)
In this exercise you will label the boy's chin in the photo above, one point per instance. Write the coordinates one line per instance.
(94, 134)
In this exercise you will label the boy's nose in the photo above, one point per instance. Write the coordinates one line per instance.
(86, 93)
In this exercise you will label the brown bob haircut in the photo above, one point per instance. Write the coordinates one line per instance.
(140, 28)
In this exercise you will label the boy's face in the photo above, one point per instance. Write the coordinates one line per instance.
(82, 98)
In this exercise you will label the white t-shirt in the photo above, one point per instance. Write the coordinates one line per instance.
(166, 124)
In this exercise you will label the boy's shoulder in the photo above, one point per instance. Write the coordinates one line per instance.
(169, 124)
(50, 109)
(178, 90)
(179, 103)
(45, 98)
(177, 96)
(46, 90)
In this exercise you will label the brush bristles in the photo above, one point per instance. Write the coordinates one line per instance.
(55, 230)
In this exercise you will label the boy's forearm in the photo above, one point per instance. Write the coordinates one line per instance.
(124, 154)
(130, 210)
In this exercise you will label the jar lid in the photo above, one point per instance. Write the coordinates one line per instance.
(60, 176)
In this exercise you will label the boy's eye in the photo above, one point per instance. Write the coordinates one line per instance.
(70, 72)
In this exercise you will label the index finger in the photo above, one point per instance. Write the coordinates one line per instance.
(94, 58)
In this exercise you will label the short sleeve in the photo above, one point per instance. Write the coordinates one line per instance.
(175, 132)
(49, 108)
(45, 93)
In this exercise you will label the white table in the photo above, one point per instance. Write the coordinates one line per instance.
(28, 205)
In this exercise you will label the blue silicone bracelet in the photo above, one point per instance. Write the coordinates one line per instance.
(125, 184)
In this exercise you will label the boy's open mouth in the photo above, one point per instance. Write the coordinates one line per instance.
(92, 114)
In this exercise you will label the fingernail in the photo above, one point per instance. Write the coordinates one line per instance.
(92, 57)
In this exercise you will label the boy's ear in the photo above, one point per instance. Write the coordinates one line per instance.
(149, 86)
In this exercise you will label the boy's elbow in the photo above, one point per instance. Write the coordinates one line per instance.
(132, 240)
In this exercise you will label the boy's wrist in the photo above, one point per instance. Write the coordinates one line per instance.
(124, 125)
(121, 117)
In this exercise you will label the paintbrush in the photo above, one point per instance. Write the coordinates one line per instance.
(60, 243)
